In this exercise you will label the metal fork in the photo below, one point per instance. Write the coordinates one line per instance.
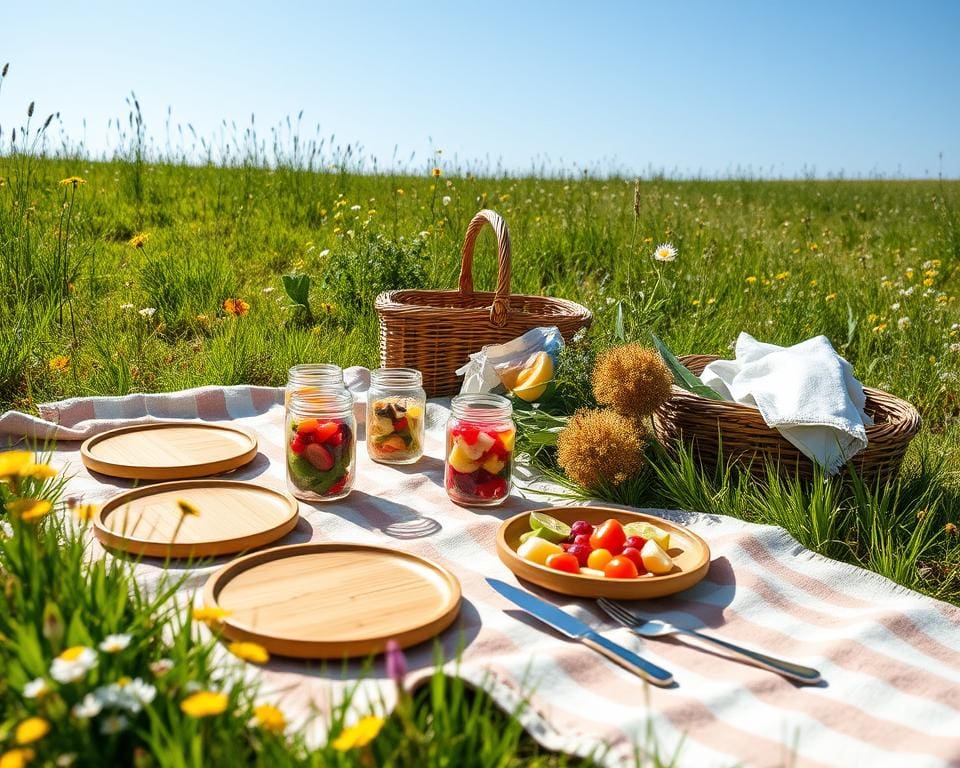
(657, 628)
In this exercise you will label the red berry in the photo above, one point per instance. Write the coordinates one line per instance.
(581, 528)
(580, 552)
(636, 542)
(583, 539)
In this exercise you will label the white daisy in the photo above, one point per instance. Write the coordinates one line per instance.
(324, 252)
(73, 664)
(445, 199)
(665, 252)
(113, 724)
(126, 306)
(35, 689)
(354, 207)
(89, 707)
(114, 643)
(148, 311)
(903, 322)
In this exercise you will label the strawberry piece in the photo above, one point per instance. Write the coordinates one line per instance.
(297, 445)
(493, 488)
(469, 434)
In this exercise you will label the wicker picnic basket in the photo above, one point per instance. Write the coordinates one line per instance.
(738, 434)
(435, 331)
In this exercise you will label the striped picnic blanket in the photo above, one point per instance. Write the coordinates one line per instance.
(890, 657)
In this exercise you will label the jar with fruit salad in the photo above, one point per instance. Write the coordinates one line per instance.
(313, 377)
(396, 402)
(321, 445)
(480, 440)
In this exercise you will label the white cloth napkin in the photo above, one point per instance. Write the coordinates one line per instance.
(807, 392)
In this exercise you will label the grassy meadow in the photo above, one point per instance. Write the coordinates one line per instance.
(115, 276)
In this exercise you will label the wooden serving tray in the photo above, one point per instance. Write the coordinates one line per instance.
(690, 554)
(169, 450)
(234, 516)
(331, 601)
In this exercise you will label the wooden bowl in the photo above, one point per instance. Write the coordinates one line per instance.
(690, 554)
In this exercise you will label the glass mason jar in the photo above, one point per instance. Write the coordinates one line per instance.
(313, 377)
(321, 445)
(396, 403)
(480, 440)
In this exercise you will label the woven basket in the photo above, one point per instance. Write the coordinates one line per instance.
(739, 432)
(435, 331)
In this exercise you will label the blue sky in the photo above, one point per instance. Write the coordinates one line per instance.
(713, 88)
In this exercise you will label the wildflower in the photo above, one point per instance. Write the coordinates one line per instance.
(13, 462)
(36, 689)
(695, 302)
(396, 663)
(903, 322)
(927, 282)
(782, 275)
(38, 471)
(751, 279)
(711, 301)
(950, 529)
(445, 199)
(360, 734)
(955, 347)
(187, 508)
(636, 199)
(59, 364)
(148, 312)
(633, 379)
(600, 445)
(354, 207)
(324, 252)
(72, 181)
(131, 695)
(16, 758)
(114, 643)
(85, 512)
(139, 240)
(830, 297)
(210, 614)
(89, 706)
(252, 652)
(880, 328)
(160, 667)
(873, 317)
(204, 704)
(269, 718)
(236, 307)
(65, 760)
(665, 252)
(30, 730)
(73, 664)
(328, 308)
(29, 510)
(436, 173)
(113, 724)
(895, 306)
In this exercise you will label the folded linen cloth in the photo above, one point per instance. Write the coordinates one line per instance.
(807, 392)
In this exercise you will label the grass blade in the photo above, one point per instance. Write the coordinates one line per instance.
(681, 374)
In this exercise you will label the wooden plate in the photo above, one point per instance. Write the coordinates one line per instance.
(169, 450)
(690, 554)
(330, 601)
(234, 516)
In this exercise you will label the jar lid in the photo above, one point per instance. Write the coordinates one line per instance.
(481, 406)
(396, 378)
(322, 403)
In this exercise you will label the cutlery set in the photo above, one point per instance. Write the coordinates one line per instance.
(574, 628)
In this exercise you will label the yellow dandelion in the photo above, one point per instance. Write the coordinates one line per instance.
(59, 364)
(12, 463)
(269, 718)
(830, 297)
(695, 302)
(252, 652)
(38, 471)
(782, 275)
(204, 704)
(210, 615)
(814, 247)
(436, 173)
(880, 328)
(236, 307)
(711, 301)
(360, 734)
(886, 284)
(187, 508)
(86, 512)
(927, 282)
(813, 283)
(29, 510)
(16, 758)
(30, 730)
(72, 181)
(751, 279)
(139, 240)
(872, 317)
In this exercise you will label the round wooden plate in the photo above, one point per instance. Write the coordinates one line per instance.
(330, 601)
(169, 450)
(690, 554)
(234, 516)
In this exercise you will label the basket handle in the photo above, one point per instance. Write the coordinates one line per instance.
(501, 300)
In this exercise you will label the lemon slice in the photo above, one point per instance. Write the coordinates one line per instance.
(648, 531)
(549, 528)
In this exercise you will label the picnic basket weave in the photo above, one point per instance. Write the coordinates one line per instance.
(735, 433)
(435, 331)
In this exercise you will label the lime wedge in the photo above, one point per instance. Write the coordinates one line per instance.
(648, 531)
(549, 528)
(528, 535)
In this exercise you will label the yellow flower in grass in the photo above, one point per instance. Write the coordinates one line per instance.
(38, 471)
(236, 307)
(830, 297)
(30, 730)
(204, 704)
(360, 734)
(436, 173)
(210, 615)
(751, 279)
(782, 275)
(269, 718)
(59, 364)
(252, 652)
(86, 512)
(139, 240)
(12, 463)
(16, 758)
(29, 510)
(72, 181)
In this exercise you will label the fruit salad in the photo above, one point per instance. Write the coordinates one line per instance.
(479, 462)
(611, 549)
(395, 430)
(320, 457)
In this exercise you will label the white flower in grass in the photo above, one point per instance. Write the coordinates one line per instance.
(65, 760)
(324, 252)
(89, 707)
(955, 347)
(354, 207)
(139, 693)
(126, 306)
(445, 199)
(895, 306)
(35, 689)
(114, 643)
(148, 311)
(113, 724)
(665, 252)
(268, 289)
(160, 667)
(903, 322)
(131, 695)
(73, 664)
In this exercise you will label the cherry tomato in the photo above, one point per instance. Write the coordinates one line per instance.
(633, 554)
(609, 536)
(620, 568)
(324, 431)
(599, 558)
(400, 424)
(636, 542)
(563, 561)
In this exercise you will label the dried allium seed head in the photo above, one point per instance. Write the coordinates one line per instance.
(632, 379)
(599, 446)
